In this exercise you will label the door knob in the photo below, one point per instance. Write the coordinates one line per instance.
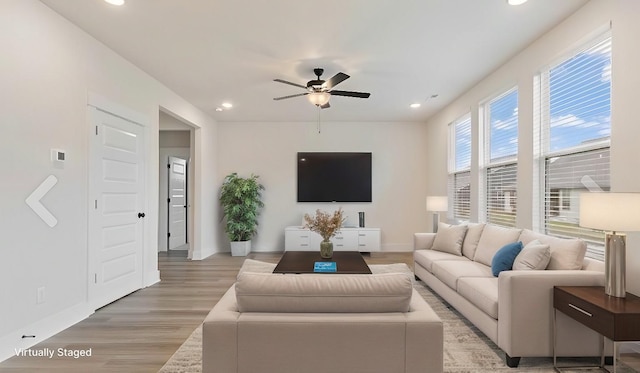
(141, 215)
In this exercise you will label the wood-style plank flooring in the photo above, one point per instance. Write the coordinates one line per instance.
(141, 331)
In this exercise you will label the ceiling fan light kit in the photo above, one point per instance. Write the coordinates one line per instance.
(320, 91)
(319, 98)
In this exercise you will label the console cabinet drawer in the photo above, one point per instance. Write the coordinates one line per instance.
(369, 240)
(586, 313)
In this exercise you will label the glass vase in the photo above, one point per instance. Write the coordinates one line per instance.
(326, 249)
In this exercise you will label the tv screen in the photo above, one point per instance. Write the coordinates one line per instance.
(334, 177)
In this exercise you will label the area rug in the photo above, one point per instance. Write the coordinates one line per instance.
(466, 349)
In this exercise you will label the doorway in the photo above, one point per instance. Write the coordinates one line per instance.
(174, 225)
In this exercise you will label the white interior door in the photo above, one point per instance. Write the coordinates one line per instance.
(177, 230)
(116, 177)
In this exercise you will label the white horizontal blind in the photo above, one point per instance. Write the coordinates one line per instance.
(577, 106)
(566, 177)
(460, 193)
(502, 195)
(501, 142)
(459, 181)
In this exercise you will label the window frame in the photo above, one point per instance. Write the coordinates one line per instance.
(543, 154)
(488, 165)
(455, 173)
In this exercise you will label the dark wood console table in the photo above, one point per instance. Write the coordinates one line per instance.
(617, 319)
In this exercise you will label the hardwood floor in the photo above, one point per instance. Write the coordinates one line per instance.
(141, 331)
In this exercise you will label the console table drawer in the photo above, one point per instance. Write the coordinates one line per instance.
(369, 240)
(586, 313)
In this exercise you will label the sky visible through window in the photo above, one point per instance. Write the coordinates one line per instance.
(580, 98)
(504, 127)
(579, 108)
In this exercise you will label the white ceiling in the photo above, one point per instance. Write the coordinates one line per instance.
(400, 51)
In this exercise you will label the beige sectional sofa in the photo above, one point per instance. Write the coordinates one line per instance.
(321, 323)
(515, 309)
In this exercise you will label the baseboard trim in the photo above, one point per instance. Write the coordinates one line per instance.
(42, 329)
(153, 278)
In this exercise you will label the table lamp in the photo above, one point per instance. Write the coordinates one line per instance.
(612, 212)
(437, 204)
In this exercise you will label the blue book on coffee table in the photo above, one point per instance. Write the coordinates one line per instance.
(325, 267)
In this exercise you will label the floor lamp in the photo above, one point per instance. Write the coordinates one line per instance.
(612, 212)
(437, 204)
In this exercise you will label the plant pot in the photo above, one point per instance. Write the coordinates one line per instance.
(326, 249)
(240, 248)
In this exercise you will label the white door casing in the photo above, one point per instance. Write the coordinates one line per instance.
(177, 229)
(116, 202)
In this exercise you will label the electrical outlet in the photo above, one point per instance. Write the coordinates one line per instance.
(40, 297)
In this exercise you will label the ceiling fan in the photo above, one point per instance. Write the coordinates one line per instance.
(319, 91)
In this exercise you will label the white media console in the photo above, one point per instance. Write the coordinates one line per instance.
(347, 239)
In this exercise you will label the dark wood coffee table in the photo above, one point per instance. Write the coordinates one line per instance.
(303, 261)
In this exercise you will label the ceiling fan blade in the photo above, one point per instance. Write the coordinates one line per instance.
(290, 96)
(325, 106)
(350, 94)
(293, 84)
(335, 80)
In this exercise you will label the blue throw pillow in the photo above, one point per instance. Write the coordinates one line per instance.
(503, 260)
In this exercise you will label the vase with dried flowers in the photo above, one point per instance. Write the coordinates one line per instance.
(326, 225)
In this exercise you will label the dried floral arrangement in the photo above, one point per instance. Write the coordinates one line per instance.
(325, 224)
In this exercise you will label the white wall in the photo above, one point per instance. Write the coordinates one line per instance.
(49, 67)
(577, 29)
(399, 170)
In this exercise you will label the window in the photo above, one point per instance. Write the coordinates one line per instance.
(459, 188)
(575, 121)
(501, 152)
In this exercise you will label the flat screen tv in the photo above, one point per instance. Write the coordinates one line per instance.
(334, 177)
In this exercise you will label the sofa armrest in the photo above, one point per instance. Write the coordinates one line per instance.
(423, 241)
(526, 307)
(220, 336)
(423, 352)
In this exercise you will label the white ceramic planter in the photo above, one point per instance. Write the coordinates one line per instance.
(240, 248)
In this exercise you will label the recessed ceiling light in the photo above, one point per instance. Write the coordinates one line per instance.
(227, 105)
(516, 2)
(414, 105)
(218, 109)
(115, 2)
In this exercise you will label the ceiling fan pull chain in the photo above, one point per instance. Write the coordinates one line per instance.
(319, 119)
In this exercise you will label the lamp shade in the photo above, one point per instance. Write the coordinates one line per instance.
(319, 98)
(610, 211)
(437, 203)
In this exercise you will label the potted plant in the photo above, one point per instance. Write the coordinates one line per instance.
(241, 201)
(327, 226)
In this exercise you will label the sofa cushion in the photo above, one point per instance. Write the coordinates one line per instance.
(267, 292)
(482, 292)
(566, 253)
(471, 239)
(535, 255)
(426, 258)
(449, 271)
(492, 239)
(503, 259)
(449, 238)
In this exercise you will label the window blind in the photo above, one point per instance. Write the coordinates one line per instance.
(502, 195)
(460, 196)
